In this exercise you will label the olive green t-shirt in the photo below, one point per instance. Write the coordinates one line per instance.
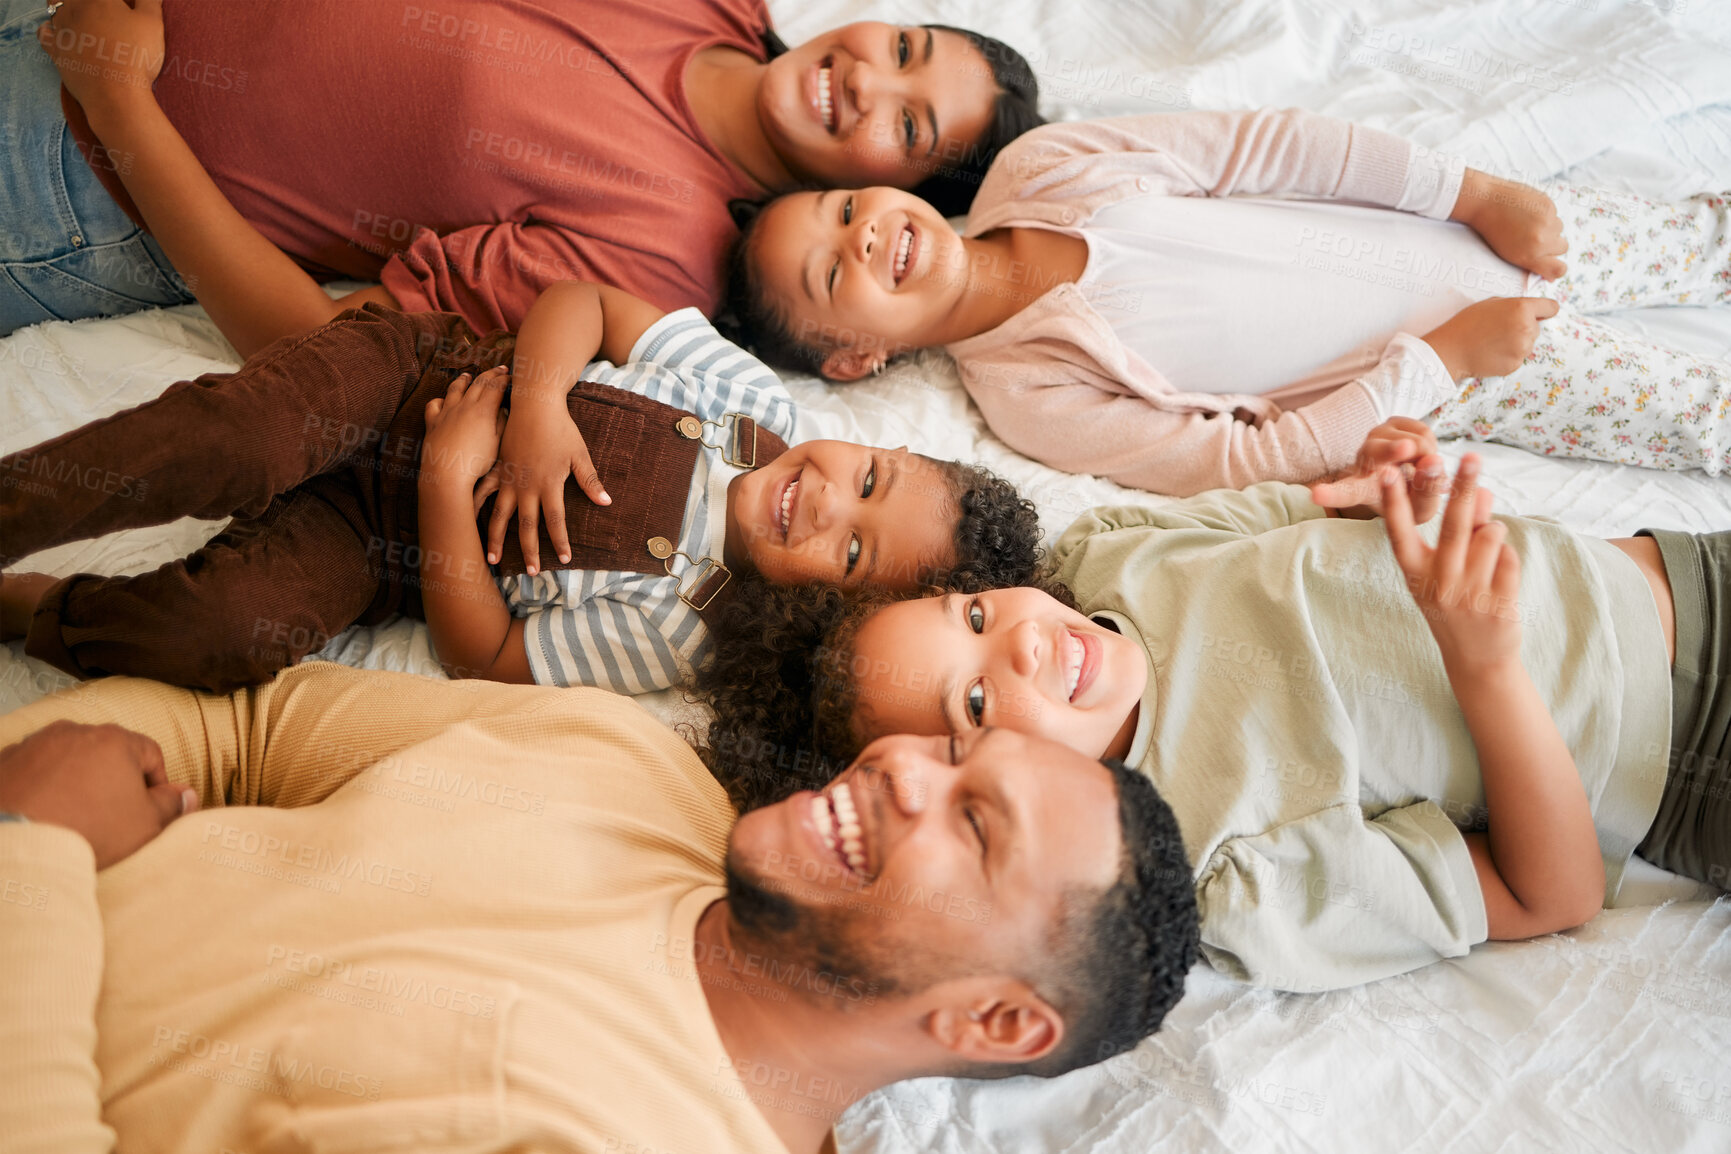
(1298, 720)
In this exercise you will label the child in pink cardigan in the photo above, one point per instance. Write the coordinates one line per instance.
(1203, 299)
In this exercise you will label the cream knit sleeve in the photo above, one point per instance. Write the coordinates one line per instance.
(50, 974)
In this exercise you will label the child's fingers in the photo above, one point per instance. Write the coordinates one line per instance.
(434, 408)
(1483, 502)
(529, 530)
(1542, 308)
(583, 468)
(1430, 481)
(458, 386)
(1457, 522)
(1410, 552)
(1346, 492)
(486, 487)
(489, 389)
(1506, 580)
(1482, 556)
(503, 509)
(554, 510)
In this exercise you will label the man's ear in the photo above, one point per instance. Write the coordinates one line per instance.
(993, 1020)
(850, 364)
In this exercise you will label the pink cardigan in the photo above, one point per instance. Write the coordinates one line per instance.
(1055, 383)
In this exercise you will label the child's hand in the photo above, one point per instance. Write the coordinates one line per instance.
(106, 51)
(1519, 222)
(1401, 443)
(1490, 338)
(463, 430)
(541, 448)
(1466, 586)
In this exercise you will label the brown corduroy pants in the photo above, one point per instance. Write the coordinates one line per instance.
(312, 447)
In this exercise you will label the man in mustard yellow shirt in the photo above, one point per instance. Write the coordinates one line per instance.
(371, 911)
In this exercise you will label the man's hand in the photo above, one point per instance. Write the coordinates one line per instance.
(541, 447)
(107, 52)
(105, 783)
(1519, 222)
(1467, 585)
(1490, 338)
(463, 429)
(1401, 443)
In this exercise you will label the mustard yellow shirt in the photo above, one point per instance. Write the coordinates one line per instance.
(413, 915)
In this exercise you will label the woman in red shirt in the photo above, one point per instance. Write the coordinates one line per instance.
(464, 153)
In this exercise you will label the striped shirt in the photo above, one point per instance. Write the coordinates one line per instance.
(630, 632)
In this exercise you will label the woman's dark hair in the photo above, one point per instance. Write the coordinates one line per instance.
(1015, 110)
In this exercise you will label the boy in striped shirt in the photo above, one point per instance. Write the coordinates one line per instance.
(313, 443)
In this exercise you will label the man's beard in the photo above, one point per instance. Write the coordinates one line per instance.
(816, 950)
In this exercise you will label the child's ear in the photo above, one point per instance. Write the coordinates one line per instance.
(850, 364)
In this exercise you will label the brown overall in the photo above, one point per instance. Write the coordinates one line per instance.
(313, 448)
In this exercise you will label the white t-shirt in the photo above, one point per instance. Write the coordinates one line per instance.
(1248, 294)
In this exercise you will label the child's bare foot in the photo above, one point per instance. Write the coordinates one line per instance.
(20, 594)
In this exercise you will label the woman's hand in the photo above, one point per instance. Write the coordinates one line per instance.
(1466, 586)
(1490, 338)
(1400, 443)
(1519, 222)
(107, 52)
(463, 430)
(541, 447)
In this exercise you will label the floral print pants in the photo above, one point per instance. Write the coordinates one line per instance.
(1591, 390)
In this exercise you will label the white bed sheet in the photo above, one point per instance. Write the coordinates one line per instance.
(1616, 1037)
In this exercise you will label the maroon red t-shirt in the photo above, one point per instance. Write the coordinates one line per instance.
(465, 152)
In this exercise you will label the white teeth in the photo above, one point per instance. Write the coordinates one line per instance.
(825, 104)
(1074, 673)
(902, 250)
(820, 814)
(847, 817)
(787, 503)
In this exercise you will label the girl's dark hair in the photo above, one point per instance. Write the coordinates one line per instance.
(950, 189)
(768, 682)
(748, 317)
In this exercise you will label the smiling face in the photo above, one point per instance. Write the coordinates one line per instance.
(843, 514)
(1001, 824)
(871, 272)
(1013, 658)
(872, 103)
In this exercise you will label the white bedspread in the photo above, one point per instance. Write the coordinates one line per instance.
(1616, 1037)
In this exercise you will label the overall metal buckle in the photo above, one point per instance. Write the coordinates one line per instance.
(706, 577)
(733, 451)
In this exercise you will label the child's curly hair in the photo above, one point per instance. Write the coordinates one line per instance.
(761, 680)
(784, 684)
(997, 539)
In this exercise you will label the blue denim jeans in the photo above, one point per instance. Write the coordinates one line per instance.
(67, 250)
